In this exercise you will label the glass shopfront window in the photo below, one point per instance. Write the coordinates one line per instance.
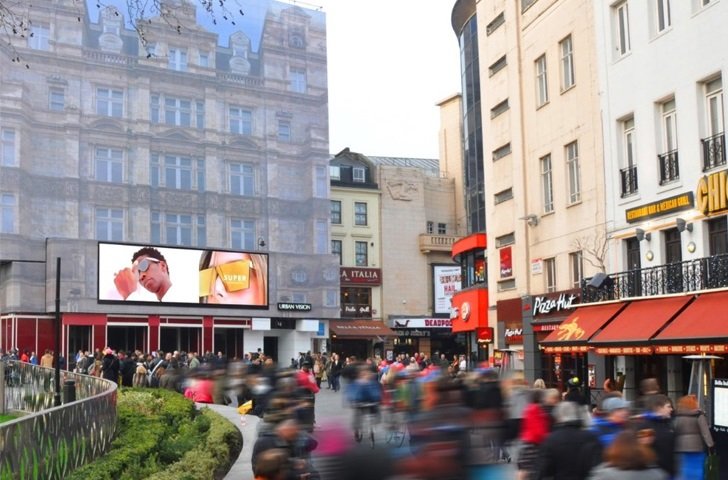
(474, 268)
(356, 302)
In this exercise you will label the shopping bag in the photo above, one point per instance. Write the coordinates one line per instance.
(245, 408)
(711, 467)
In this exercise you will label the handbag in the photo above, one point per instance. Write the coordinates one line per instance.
(712, 465)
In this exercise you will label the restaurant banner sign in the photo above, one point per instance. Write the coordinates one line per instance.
(678, 203)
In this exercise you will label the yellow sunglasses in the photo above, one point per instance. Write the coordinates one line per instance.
(235, 276)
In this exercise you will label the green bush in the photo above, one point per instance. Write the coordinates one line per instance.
(161, 435)
(211, 458)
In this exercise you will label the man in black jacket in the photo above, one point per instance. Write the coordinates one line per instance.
(110, 366)
(569, 452)
(656, 423)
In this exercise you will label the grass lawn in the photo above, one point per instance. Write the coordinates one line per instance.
(7, 417)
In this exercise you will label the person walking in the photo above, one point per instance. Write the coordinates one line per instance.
(336, 368)
(692, 437)
(628, 459)
(657, 424)
(569, 452)
(534, 429)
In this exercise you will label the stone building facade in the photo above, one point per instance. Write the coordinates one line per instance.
(201, 139)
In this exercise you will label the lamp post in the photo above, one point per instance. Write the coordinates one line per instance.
(57, 396)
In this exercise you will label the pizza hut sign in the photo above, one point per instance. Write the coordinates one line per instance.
(546, 305)
(514, 335)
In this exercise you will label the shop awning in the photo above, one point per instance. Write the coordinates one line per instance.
(573, 333)
(360, 329)
(629, 333)
(701, 328)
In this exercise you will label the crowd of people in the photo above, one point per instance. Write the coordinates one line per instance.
(461, 422)
(464, 423)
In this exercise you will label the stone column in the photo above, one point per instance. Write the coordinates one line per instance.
(531, 355)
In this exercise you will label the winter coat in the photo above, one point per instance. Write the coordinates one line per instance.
(569, 453)
(535, 424)
(110, 368)
(606, 472)
(664, 441)
(366, 392)
(692, 433)
(605, 430)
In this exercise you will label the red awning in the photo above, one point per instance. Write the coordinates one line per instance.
(637, 324)
(703, 321)
(574, 332)
(360, 329)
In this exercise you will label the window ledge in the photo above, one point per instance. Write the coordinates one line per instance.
(544, 104)
(568, 89)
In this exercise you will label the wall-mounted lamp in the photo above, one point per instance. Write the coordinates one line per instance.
(371, 244)
(649, 255)
(682, 225)
(691, 247)
(261, 242)
(531, 219)
(642, 235)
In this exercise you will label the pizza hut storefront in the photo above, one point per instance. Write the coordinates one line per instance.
(431, 336)
(469, 316)
(548, 311)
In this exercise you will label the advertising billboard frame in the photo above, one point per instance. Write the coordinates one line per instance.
(442, 313)
(189, 257)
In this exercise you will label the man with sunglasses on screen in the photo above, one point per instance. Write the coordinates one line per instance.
(148, 269)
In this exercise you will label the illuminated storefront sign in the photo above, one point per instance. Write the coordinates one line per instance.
(712, 193)
(677, 203)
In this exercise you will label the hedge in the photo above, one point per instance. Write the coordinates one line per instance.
(161, 435)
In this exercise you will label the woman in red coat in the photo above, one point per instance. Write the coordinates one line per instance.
(534, 429)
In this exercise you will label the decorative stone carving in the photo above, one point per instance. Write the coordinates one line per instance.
(111, 22)
(240, 44)
(402, 190)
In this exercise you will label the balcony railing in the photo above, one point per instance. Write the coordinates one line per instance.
(629, 180)
(430, 242)
(681, 277)
(713, 151)
(669, 167)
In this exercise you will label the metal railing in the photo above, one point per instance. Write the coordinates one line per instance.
(50, 442)
(681, 277)
(713, 151)
(669, 167)
(629, 180)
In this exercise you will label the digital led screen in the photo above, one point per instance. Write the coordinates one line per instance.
(172, 275)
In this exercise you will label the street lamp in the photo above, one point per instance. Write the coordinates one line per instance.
(57, 396)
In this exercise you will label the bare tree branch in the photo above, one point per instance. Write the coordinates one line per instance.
(15, 16)
(594, 249)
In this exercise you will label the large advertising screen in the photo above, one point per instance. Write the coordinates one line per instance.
(446, 280)
(172, 275)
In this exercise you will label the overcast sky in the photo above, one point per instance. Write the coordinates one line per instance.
(390, 62)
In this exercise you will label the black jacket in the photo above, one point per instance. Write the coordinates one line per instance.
(110, 368)
(569, 453)
(664, 441)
